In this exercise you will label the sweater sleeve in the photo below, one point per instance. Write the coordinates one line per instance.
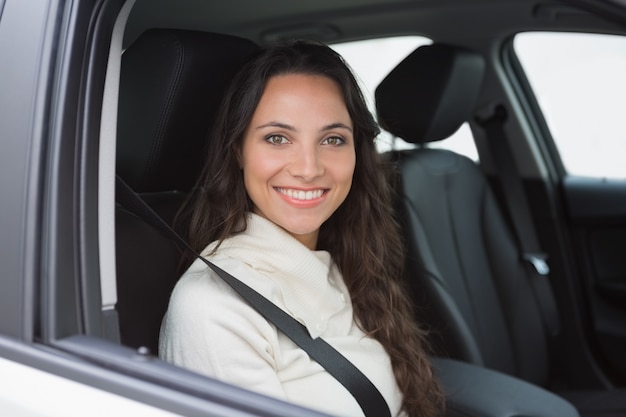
(209, 329)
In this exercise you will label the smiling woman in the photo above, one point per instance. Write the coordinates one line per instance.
(294, 202)
(298, 170)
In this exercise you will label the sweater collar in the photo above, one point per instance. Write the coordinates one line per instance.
(308, 280)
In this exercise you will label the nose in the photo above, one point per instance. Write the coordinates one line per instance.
(307, 163)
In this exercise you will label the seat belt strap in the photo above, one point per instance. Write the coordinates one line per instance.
(518, 208)
(366, 394)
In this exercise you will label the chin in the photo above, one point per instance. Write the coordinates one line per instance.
(298, 230)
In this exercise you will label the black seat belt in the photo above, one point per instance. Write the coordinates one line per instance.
(366, 394)
(534, 259)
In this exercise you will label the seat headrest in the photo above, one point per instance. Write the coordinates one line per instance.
(429, 95)
(171, 85)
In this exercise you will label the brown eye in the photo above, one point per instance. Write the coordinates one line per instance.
(276, 140)
(333, 141)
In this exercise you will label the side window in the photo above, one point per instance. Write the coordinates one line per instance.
(580, 86)
(372, 60)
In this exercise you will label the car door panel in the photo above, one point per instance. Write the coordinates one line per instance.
(597, 223)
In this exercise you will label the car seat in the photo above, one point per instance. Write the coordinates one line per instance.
(171, 84)
(463, 266)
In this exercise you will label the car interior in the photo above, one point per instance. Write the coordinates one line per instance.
(163, 120)
(507, 339)
(480, 296)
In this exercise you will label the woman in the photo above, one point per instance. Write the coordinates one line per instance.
(293, 202)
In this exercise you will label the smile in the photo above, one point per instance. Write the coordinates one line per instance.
(301, 194)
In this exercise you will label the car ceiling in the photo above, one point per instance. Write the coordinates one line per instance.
(467, 22)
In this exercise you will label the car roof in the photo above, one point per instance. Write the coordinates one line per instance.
(463, 22)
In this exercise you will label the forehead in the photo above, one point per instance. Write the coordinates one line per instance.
(299, 92)
(298, 82)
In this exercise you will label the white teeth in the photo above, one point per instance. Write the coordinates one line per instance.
(301, 195)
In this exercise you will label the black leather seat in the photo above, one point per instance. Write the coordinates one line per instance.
(475, 295)
(171, 84)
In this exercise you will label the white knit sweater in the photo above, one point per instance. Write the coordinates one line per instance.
(209, 329)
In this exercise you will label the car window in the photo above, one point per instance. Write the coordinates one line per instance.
(580, 86)
(388, 53)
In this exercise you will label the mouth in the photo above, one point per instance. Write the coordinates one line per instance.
(301, 194)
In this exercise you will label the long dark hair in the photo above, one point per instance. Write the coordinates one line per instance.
(362, 235)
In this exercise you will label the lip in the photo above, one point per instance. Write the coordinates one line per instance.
(302, 198)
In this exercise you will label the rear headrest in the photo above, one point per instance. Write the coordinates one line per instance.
(172, 82)
(430, 93)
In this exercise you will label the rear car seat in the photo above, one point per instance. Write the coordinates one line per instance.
(468, 283)
(172, 82)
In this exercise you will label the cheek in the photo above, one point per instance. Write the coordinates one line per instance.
(261, 165)
(252, 175)
(348, 175)
(346, 168)
(249, 171)
(258, 170)
(344, 174)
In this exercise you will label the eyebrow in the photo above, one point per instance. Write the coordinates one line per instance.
(279, 125)
(337, 126)
(285, 126)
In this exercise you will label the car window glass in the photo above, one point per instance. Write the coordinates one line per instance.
(372, 60)
(579, 82)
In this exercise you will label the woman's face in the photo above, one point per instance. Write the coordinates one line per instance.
(298, 154)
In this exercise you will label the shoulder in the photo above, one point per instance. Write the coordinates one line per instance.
(205, 311)
(200, 290)
(208, 328)
(202, 300)
(196, 286)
